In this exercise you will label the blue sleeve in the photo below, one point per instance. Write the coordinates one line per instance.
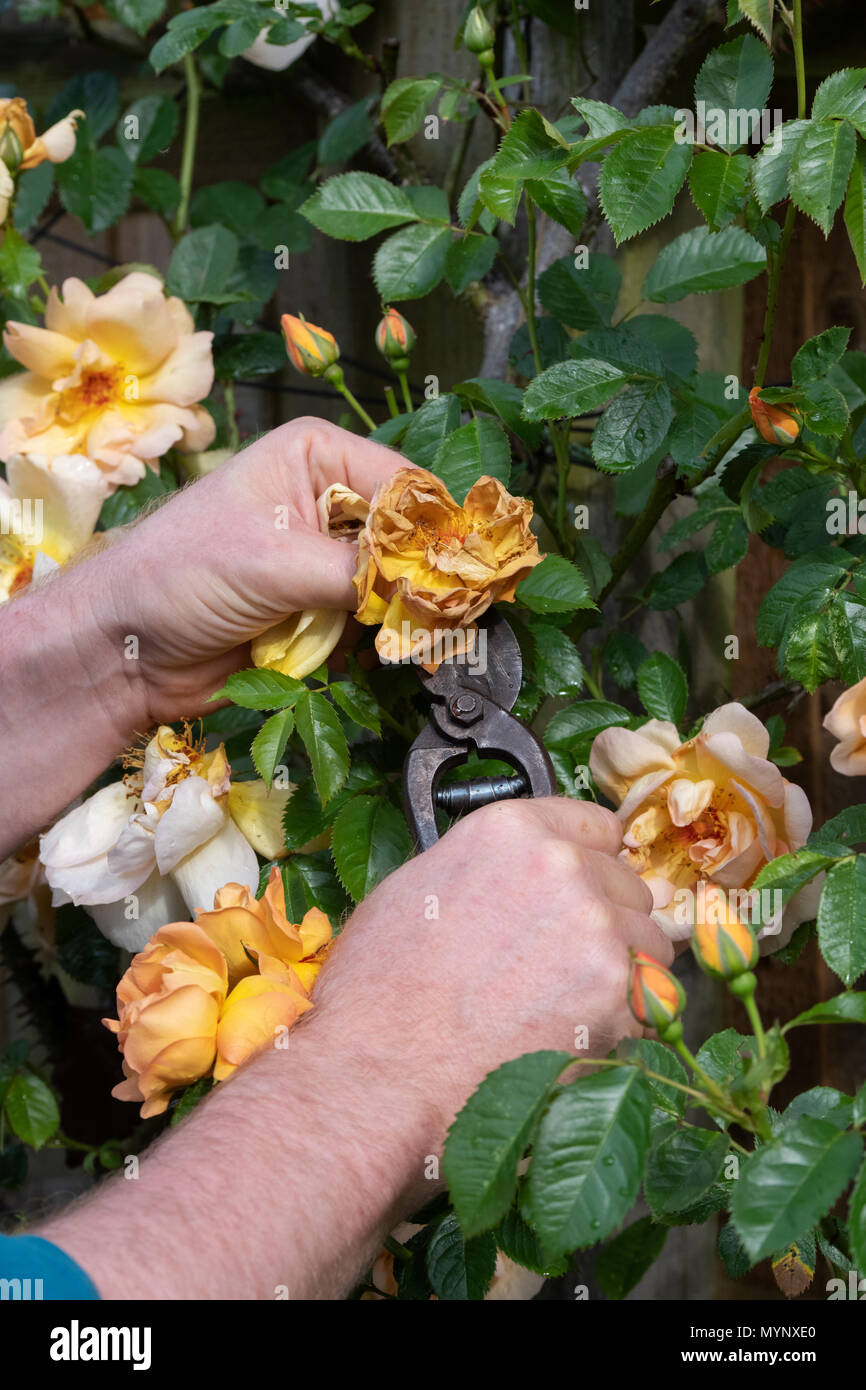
(32, 1268)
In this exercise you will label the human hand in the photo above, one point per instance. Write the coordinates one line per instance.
(530, 941)
(244, 549)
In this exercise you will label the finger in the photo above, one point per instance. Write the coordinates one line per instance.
(337, 456)
(317, 574)
(641, 933)
(580, 822)
(622, 885)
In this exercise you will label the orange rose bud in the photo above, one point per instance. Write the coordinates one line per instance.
(774, 423)
(656, 997)
(395, 339)
(724, 946)
(312, 350)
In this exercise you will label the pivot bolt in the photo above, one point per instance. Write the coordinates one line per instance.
(466, 708)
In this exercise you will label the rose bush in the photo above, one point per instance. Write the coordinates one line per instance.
(283, 808)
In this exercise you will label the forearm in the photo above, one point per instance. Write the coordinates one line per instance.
(283, 1183)
(68, 702)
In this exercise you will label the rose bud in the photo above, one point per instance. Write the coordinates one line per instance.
(395, 339)
(312, 350)
(774, 423)
(478, 35)
(724, 946)
(656, 997)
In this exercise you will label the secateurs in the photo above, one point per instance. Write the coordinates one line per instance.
(471, 704)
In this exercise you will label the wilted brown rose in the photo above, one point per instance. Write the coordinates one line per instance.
(428, 567)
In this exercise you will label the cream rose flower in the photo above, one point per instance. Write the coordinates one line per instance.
(116, 377)
(712, 809)
(170, 834)
(276, 57)
(48, 511)
(846, 721)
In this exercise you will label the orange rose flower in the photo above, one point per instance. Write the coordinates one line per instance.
(248, 930)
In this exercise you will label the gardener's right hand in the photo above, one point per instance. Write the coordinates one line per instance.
(508, 936)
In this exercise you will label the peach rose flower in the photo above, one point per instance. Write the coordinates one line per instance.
(427, 566)
(248, 930)
(714, 809)
(846, 721)
(115, 377)
(168, 1006)
(20, 146)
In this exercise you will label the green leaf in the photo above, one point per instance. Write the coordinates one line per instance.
(625, 1260)
(95, 93)
(405, 104)
(32, 192)
(857, 1220)
(475, 449)
(572, 388)
(684, 577)
(575, 1196)
(242, 355)
(788, 873)
(847, 623)
(31, 1109)
(529, 150)
(841, 913)
(773, 162)
(519, 1243)
(641, 178)
(719, 185)
(845, 1008)
(346, 134)
(734, 1257)
(261, 689)
(411, 262)
(809, 656)
(682, 1168)
(489, 1136)
(582, 298)
(147, 128)
(664, 1062)
(370, 841)
(736, 78)
(158, 189)
(601, 119)
(355, 206)
(469, 260)
(813, 577)
(137, 14)
(572, 728)
(20, 263)
(721, 1055)
(815, 358)
(201, 264)
(554, 586)
(460, 1269)
(820, 168)
(357, 704)
(824, 407)
(325, 742)
(95, 185)
(185, 32)
(623, 654)
(785, 1187)
(662, 687)
(433, 422)
(759, 13)
(285, 179)
(846, 829)
(504, 399)
(700, 261)
(558, 669)
(843, 95)
(233, 204)
(633, 426)
(855, 210)
(561, 197)
(269, 743)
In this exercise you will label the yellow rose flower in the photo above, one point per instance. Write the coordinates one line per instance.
(258, 1010)
(714, 809)
(168, 1006)
(299, 644)
(114, 377)
(427, 567)
(846, 721)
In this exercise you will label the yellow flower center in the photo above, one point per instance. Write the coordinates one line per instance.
(98, 387)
